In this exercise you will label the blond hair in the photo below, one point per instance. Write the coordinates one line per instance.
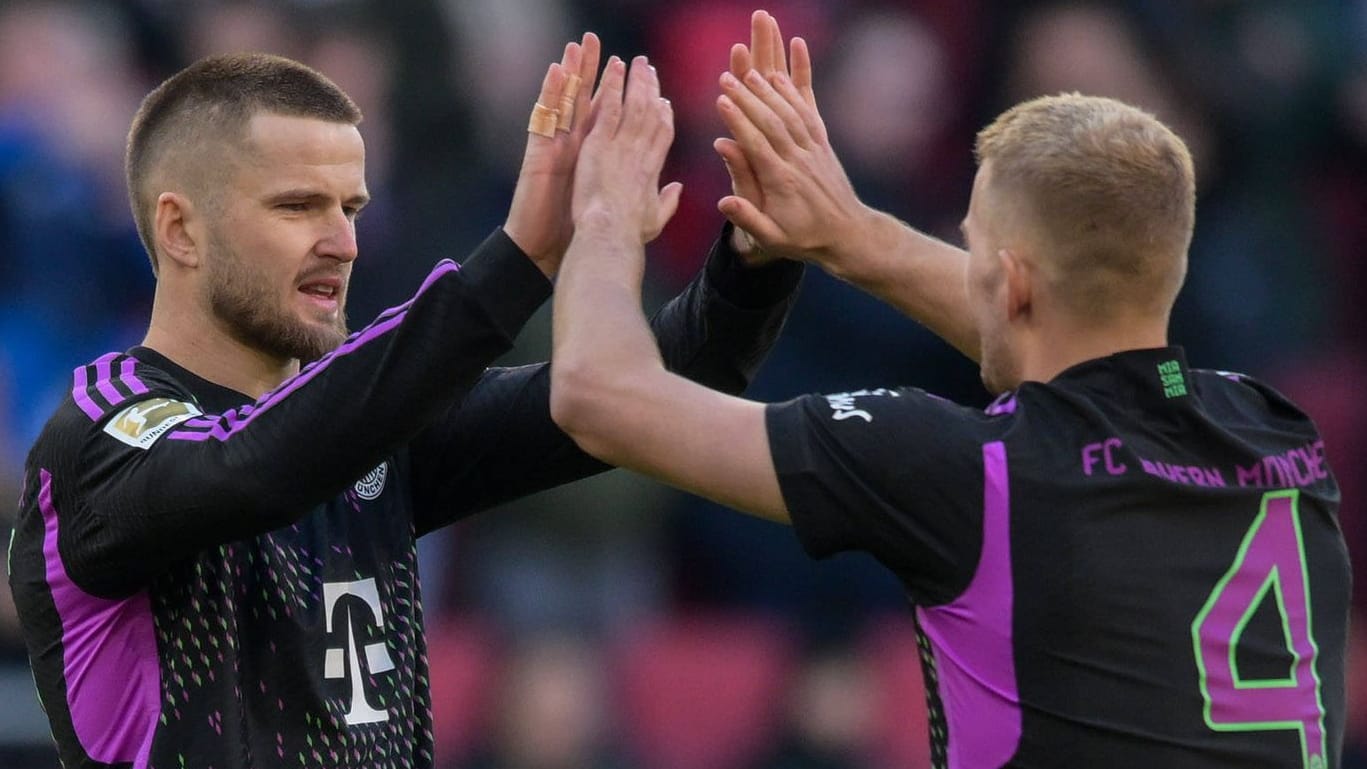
(1111, 190)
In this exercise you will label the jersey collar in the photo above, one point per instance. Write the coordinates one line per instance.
(210, 396)
(1158, 374)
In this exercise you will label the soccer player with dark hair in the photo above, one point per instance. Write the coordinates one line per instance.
(214, 561)
(1124, 561)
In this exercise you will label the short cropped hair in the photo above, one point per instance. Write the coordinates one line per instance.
(208, 105)
(1109, 186)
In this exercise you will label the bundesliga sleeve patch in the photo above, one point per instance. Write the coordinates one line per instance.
(141, 424)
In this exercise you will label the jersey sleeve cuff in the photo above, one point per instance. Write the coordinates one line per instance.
(508, 284)
(749, 288)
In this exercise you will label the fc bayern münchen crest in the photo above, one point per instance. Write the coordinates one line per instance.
(372, 483)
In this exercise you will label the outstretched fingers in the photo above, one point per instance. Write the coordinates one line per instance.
(669, 205)
(565, 104)
(658, 115)
(643, 88)
(607, 101)
(626, 147)
(739, 207)
(766, 110)
(765, 53)
(590, 52)
(748, 136)
(741, 60)
(802, 71)
(784, 97)
(785, 105)
(761, 55)
(545, 112)
(766, 45)
(747, 216)
(743, 180)
(648, 116)
(777, 61)
(551, 85)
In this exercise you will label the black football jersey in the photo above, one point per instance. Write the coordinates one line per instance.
(1133, 565)
(208, 580)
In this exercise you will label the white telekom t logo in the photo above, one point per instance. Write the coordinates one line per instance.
(337, 661)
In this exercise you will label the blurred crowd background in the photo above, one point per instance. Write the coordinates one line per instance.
(614, 623)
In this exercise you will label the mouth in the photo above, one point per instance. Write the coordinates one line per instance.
(323, 293)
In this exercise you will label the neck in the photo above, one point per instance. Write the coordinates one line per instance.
(198, 344)
(1054, 351)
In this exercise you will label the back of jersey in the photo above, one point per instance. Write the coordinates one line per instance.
(1181, 584)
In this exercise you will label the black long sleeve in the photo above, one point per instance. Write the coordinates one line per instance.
(218, 477)
(500, 442)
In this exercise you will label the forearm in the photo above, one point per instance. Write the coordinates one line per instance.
(221, 477)
(399, 374)
(611, 393)
(919, 275)
(602, 344)
(501, 443)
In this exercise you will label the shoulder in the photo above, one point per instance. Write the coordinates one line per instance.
(878, 425)
(895, 472)
(1242, 399)
(899, 407)
(121, 396)
(112, 381)
(1238, 385)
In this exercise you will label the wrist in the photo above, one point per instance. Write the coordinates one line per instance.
(857, 243)
(750, 284)
(544, 260)
(597, 217)
(605, 223)
(603, 235)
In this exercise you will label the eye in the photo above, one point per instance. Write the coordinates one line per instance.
(352, 212)
(293, 206)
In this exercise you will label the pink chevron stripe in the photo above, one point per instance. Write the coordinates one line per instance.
(103, 375)
(225, 425)
(130, 379)
(80, 392)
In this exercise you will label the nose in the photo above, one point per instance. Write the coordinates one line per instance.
(338, 241)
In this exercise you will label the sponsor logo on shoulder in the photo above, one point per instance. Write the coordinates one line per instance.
(372, 483)
(141, 424)
(843, 404)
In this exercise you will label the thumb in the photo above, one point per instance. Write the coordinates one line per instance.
(669, 204)
(743, 180)
(746, 216)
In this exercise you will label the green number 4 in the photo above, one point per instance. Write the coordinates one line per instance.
(1270, 564)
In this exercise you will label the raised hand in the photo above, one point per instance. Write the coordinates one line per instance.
(618, 177)
(791, 195)
(539, 220)
(792, 198)
(766, 56)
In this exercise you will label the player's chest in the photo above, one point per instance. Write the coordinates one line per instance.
(360, 542)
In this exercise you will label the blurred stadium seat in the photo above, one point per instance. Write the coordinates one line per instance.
(901, 734)
(702, 692)
(462, 665)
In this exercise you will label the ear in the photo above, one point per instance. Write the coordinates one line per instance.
(177, 229)
(1018, 278)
